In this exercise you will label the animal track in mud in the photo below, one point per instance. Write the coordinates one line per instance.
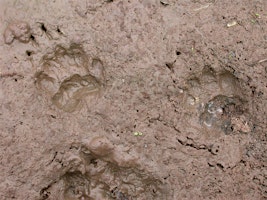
(208, 84)
(76, 186)
(217, 100)
(221, 110)
(73, 89)
(66, 79)
(100, 170)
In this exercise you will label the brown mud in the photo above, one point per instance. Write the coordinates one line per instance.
(138, 99)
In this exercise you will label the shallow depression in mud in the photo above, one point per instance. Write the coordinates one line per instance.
(67, 79)
(215, 101)
(99, 170)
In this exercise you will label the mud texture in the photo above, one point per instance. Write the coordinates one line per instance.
(65, 77)
(138, 99)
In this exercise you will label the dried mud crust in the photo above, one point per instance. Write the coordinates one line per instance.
(133, 100)
(18, 30)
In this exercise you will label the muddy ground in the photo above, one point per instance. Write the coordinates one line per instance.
(137, 99)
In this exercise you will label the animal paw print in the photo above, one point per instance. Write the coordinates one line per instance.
(218, 97)
(65, 77)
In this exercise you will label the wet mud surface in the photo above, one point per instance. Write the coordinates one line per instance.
(133, 100)
(65, 77)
